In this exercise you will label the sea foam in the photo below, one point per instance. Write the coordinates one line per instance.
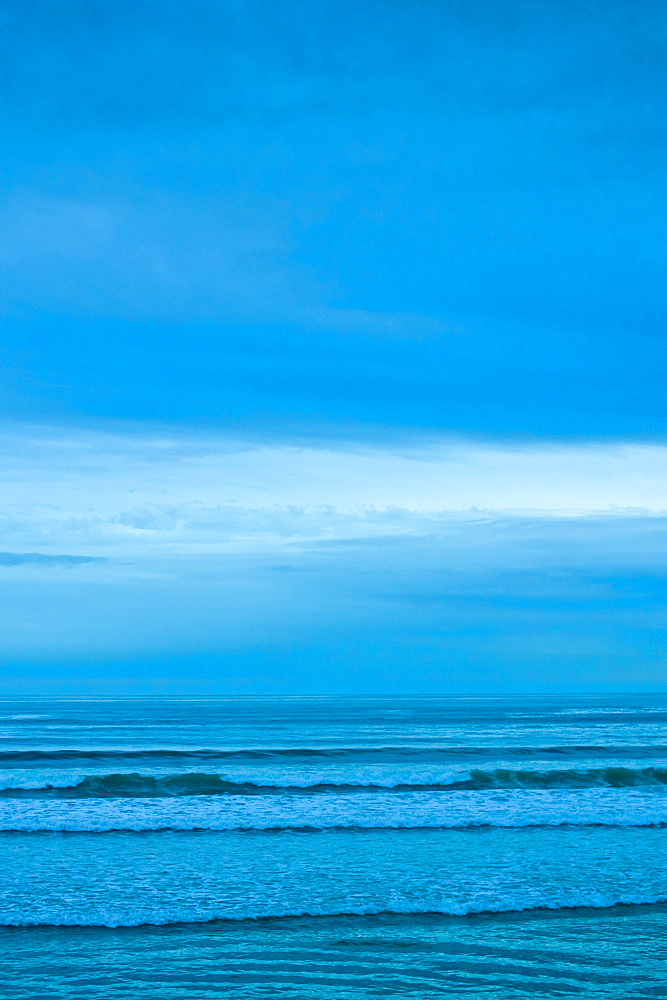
(377, 810)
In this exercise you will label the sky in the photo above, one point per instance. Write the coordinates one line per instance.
(333, 354)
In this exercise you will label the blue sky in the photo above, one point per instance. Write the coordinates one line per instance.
(333, 346)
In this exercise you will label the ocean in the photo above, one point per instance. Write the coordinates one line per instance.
(333, 847)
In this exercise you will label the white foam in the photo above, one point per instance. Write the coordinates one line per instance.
(499, 808)
(183, 915)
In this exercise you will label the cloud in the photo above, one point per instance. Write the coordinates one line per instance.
(433, 474)
(164, 258)
(40, 559)
(297, 565)
(124, 496)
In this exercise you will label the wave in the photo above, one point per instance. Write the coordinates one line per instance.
(460, 809)
(196, 783)
(184, 916)
(382, 754)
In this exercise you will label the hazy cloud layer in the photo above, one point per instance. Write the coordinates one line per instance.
(274, 568)
(102, 494)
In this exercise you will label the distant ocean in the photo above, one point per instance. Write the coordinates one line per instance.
(336, 848)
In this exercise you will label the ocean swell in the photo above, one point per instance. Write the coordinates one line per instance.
(369, 754)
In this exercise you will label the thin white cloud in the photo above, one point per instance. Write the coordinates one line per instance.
(102, 494)
(160, 258)
(173, 259)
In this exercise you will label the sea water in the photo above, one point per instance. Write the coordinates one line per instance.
(496, 847)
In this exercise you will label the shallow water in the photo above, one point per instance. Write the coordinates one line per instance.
(348, 848)
(611, 953)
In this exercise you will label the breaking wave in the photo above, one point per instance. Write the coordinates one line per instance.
(562, 902)
(458, 809)
(196, 784)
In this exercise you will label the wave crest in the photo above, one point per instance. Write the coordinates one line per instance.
(166, 918)
(196, 783)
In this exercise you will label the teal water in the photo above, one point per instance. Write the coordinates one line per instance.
(344, 848)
